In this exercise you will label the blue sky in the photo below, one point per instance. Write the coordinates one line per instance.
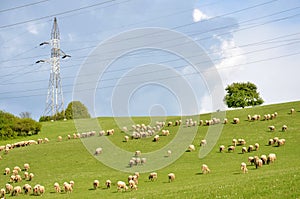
(255, 41)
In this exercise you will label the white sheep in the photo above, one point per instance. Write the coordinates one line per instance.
(2, 193)
(171, 177)
(98, 151)
(256, 146)
(244, 149)
(280, 142)
(284, 128)
(169, 152)
(236, 120)
(156, 138)
(26, 167)
(234, 142)
(16, 191)
(205, 169)
(292, 110)
(137, 153)
(96, 184)
(250, 148)
(191, 148)
(203, 142)
(27, 188)
(153, 176)
(271, 128)
(67, 187)
(244, 167)
(264, 159)
(108, 183)
(126, 138)
(59, 138)
(8, 188)
(7, 171)
(57, 187)
(221, 148)
(132, 184)
(31, 175)
(231, 148)
(121, 186)
(271, 158)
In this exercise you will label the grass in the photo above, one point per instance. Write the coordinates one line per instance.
(70, 160)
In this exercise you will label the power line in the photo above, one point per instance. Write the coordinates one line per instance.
(23, 6)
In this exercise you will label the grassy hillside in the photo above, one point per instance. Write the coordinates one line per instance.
(70, 160)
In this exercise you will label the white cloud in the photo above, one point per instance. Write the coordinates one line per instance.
(32, 28)
(199, 16)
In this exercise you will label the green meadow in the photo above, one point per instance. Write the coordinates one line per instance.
(62, 161)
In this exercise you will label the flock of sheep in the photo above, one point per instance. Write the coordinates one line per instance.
(139, 131)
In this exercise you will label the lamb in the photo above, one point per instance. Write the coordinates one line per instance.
(57, 187)
(72, 183)
(16, 191)
(236, 120)
(121, 186)
(271, 158)
(205, 169)
(96, 184)
(191, 148)
(107, 184)
(98, 151)
(284, 128)
(231, 148)
(244, 167)
(8, 188)
(153, 176)
(271, 128)
(203, 143)
(171, 177)
(221, 148)
(27, 188)
(26, 167)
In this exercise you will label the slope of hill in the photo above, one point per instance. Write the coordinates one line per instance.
(69, 159)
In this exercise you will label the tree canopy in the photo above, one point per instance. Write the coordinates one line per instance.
(12, 126)
(242, 95)
(77, 110)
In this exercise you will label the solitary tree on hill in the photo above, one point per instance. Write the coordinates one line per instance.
(242, 95)
(76, 110)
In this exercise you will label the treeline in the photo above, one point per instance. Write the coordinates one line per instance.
(12, 126)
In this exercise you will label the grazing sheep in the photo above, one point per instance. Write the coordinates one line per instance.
(280, 142)
(169, 152)
(67, 187)
(241, 141)
(31, 175)
(249, 117)
(284, 128)
(264, 159)
(258, 162)
(18, 178)
(153, 176)
(98, 151)
(7, 171)
(244, 167)
(131, 162)
(121, 186)
(292, 110)
(221, 148)
(234, 142)
(191, 148)
(271, 128)
(8, 188)
(203, 143)
(225, 121)
(16, 191)
(59, 138)
(57, 187)
(156, 138)
(201, 122)
(165, 132)
(15, 172)
(236, 120)
(251, 160)
(143, 160)
(72, 183)
(17, 168)
(26, 167)
(244, 150)
(231, 148)
(250, 148)
(271, 158)
(107, 184)
(2, 193)
(96, 184)
(256, 146)
(171, 177)
(27, 188)
(205, 169)
(26, 175)
(271, 142)
(132, 185)
(126, 138)
(275, 139)
(124, 129)
(137, 153)
(170, 123)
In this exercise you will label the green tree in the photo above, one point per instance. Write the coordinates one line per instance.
(76, 110)
(242, 95)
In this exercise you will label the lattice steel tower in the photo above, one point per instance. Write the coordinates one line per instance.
(55, 100)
